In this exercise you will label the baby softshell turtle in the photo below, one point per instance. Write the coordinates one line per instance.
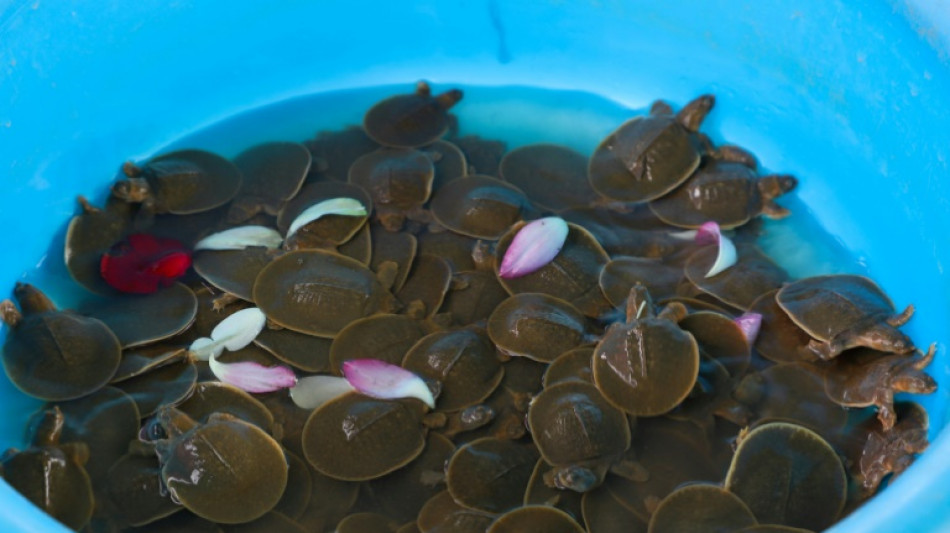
(233, 271)
(554, 177)
(306, 352)
(571, 365)
(398, 180)
(318, 292)
(648, 364)
(358, 438)
(50, 474)
(863, 377)
(535, 518)
(603, 513)
(573, 274)
(725, 192)
(788, 475)
(536, 326)
(700, 508)
(449, 162)
(89, 235)
(144, 319)
(273, 173)
(441, 514)
(490, 475)
(402, 493)
(649, 156)
(753, 275)
(225, 470)
(578, 432)
(878, 452)
(463, 361)
(480, 206)
(134, 488)
(210, 397)
(181, 183)
(411, 120)
(328, 229)
(383, 337)
(842, 311)
(55, 355)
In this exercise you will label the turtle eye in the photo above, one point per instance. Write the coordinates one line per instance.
(152, 430)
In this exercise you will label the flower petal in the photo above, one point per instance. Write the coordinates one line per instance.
(142, 263)
(240, 238)
(239, 329)
(253, 377)
(749, 323)
(204, 348)
(313, 391)
(349, 207)
(379, 379)
(535, 245)
(709, 233)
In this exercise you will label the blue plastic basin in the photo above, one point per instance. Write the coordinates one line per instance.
(851, 97)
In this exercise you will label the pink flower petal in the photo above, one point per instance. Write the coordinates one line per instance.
(379, 379)
(253, 377)
(709, 233)
(535, 245)
(749, 323)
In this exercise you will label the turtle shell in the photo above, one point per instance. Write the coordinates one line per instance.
(605, 514)
(357, 438)
(53, 481)
(89, 235)
(166, 385)
(191, 181)
(473, 296)
(720, 338)
(844, 311)
(479, 206)
(411, 120)
(383, 337)
(794, 392)
(273, 173)
(753, 275)
(539, 493)
(554, 177)
(58, 355)
(134, 490)
(463, 361)
(720, 191)
(233, 271)
(573, 364)
(449, 162)
(622, 273)
(700, 508)
(792, 461)
(366, 522)
(138, 361)
(571, 424)
(360, 247)
(536, 326)
(397, 249)
(318, 292)
(646, 367)
(573, 275)
(643, 159)
(225, 470)
(396, 179)
(455, 248)
(402, 493)
(299, 488)
(306, 352)
(143, 319)
(780, 340)
(334, 151)
(441, 514)
(490, 475)
(535, 517)
(211, 397)
(428, 283)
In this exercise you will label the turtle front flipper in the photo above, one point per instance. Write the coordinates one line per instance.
(693, 113)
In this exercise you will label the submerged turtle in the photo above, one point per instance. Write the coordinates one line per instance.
(399, 181)
(579, 433)
(842, 311)
(725, 192)
(55, 355)
(863, 377)
(50, 474)
(649, 156)
(648, 364)
(411, 120)
(182, 182)
(225, 470)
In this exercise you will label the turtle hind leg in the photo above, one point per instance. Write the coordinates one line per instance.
(902, 318)
(693, 113)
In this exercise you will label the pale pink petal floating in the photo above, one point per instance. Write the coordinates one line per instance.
(749, 323)
(253, 377)
(535, 245)
(709, 233)
(380, 379)
(311, 392)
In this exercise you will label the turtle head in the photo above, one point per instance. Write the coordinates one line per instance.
(774, 185)
(886, 338)
(914, 382)
(132, 190)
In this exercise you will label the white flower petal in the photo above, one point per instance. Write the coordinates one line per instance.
(239, 329)
(240, 238)
(313, 391)
(343, 206)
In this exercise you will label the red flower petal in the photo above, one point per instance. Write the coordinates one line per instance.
(142, 263)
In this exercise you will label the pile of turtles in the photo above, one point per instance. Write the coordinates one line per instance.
(620, 386)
